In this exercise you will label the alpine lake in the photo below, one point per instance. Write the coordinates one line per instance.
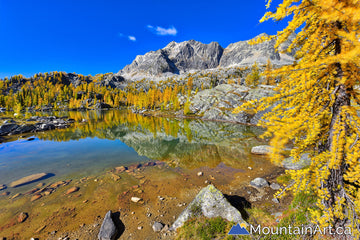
(107, 157)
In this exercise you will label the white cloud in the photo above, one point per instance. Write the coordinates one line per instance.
(163, 31)
(132, 38)
(129, 37)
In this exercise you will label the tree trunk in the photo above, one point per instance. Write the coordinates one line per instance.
(335, 182)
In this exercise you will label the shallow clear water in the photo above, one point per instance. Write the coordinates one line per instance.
(113, 138)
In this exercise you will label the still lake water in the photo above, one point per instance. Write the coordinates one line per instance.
(118, 137)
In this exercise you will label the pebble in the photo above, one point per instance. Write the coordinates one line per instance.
(40, 229)
(22, 217)
(120, 169)
(275, 186)
(2, 187)
(135, 199)
(4, 193)
(250, 168)
(200, 174)
(161, 198)
(140, 227)
(275, 200)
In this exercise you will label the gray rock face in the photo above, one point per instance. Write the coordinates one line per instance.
(113, 81)
(259, 183)
(102, 105)
(289, 163)
(209, 202)
(108, 229)
(218, 103)
(176, 57)
(243, 54)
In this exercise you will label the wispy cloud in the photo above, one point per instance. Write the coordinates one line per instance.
(162, 31)
(132, 38)
(129, 37)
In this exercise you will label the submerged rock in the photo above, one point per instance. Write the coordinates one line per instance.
(35, 197)
(28, 179)
(157, 226)
(108, 229)
(259, 183)
(209, 202)
(22, 217)
(72, 190)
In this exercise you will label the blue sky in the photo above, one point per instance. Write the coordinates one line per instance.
(90, 37)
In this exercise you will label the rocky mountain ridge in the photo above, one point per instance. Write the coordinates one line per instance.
(177, 58)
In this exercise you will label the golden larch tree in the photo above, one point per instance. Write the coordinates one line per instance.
(316, 106)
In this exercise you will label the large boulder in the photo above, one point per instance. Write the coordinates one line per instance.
(209, 202)
(108, 229)
(7, 128)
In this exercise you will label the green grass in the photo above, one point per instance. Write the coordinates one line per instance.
(202, 228)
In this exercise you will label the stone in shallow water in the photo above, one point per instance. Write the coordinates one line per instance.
(211, 203)
(157, 226)
(35, 197)
(2, 187)
(108, 229)
(72, 190)
(28, 179)
(22, 217)
(259, 183)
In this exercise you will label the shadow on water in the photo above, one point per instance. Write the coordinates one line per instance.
(48, 175)
(119, 224)
(240, 203)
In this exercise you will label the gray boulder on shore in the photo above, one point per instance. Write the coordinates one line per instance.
(209, 202)
(290, 163)
(108, 229)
